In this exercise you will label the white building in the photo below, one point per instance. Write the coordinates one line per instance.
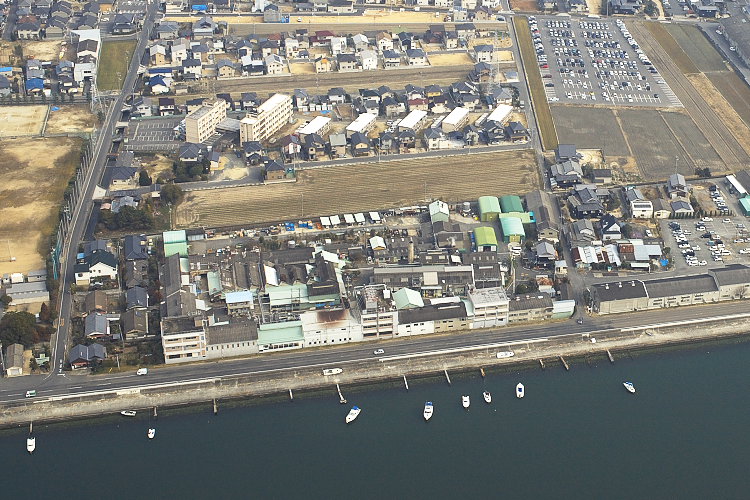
(362, 124)
(183, 339)
(318, 125)
(456, 120)
(270, 117)
(489, 307)
(640, 207)
(201, 124)
(330, 327)
(413, 121)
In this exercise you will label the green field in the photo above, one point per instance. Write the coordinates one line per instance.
(113, 64)
(536, 87)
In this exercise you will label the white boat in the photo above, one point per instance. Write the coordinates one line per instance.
(505, 354)
(465, 401)
(332, 371)
(128, 413)
(520, 390)
(30, 444)
(151, 433)
(353, 414)
(487, 397)
(629, 386)
(428, 409)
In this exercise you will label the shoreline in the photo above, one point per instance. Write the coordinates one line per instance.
(275, 386)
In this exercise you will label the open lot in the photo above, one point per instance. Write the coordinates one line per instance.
(449, 59)
(21, 120)
(735, 91)
(302, 68)
(619, 133)
(35, 173)
(700, 51)
(113, 63)
(361, 187)
(536, 87)
(70, 119)
(594, 61)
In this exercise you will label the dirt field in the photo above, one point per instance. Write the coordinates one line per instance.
(35, 173)
(541, 106)
(503, 41)
(157, 164)
(735, 91)
(449, 59)
(21, 120)
(595, 6)
(70, 119)
(369, 16)
(697, 47)
(113, 63)
(47, 50)
(524, 5)
(302, 68)
(364, 187)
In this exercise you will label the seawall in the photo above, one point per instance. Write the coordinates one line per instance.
(620, 343)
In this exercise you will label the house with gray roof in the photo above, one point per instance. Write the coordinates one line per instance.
(86, 356)
(96, 326)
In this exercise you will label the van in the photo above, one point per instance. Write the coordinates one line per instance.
(142, 371)
(30, 394)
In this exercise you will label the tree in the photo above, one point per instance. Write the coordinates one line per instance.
(650, 8)
(6, 300)
(144, 179)
(133, 218)
(704, 173)
(45, 315)
(17, 328)
(171, 194)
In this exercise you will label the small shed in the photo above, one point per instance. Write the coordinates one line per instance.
(512, 228)
(439, 211)
(511, 204)
(489, 208)
(485, 239)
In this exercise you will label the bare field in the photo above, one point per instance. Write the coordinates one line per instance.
(524, 5)
(35, 173)
(591, 128)
(70, 119)
(670, 45)
(362, 187)
(697, 47)
(302, 68)
(735, 91)
(449, 59)
(21, 120)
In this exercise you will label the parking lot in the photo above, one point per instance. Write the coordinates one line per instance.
(710, 241)
(153, 134)
(596, 61)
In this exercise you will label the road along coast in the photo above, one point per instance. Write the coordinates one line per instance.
(593, 345)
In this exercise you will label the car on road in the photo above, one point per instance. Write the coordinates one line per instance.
(378, 351)
(142, 371)
(30, 394)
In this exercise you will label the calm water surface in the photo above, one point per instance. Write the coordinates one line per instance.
(576, 434)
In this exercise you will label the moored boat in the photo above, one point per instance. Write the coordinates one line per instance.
(353, 414)
(487, 397)
(465, 401)
(520, 390)
(151, 433)
(505, 354)
(629, 386)
(128, 413)
(30, 444)
(332, 371)
(428, 410)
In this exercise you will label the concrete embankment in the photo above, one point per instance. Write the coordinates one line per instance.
(620, 342)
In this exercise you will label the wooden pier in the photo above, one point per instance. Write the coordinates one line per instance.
(541, 363)
(155, 414)
(341, 396)
(481, 370)
(406, 384)
(291, 396)
(447, 377)
(565, 363)
(216, 407)
(611, 358)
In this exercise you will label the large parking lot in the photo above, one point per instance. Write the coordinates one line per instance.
(596, 61)
(153, 134)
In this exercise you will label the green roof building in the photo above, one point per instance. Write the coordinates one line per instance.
(175, 242)
(511, 203)
(489, 208)
(745, 205)
(485, 239)
(512, 228)
(284, 335)
(406, 298)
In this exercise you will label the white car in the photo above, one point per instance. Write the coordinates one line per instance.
(727, 220)
(703, 263)
(707, 219)
(378, 351)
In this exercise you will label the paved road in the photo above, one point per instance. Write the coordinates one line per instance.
(13, 389)
(82, 211)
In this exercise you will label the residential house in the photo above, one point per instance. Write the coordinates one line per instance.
(391, 59)
(274, 171)
(86, 356)
(416, 57)
(134, 323)
(384, 41)
(611, 228)
(167, 106)
(274, 64)
(640, 207)
(204, 28)
(681, 207)
(323, 64)
(677, 187)
(337, 143)
(98, 264)
(360, 144)
(96, 326)
(225, 68)
(347, 62)
(368, 59)
(484, 53)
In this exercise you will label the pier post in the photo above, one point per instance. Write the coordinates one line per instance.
(611, 358)
(481, 370)
(341, 396)
(447, 377)
(541, 363)
(216, 407)
(565, 364)
(291, 396)
(406, 384)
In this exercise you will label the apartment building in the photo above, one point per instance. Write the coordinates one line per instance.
(201, 124)
(269, 118)
(183, 339)
(490, 307)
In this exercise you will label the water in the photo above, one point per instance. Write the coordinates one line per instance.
(576, 434)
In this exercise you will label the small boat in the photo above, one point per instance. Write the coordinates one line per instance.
(151, 433)
(487, 397)
(465, 401)
(629, 386)
(428, 409)
(520, 390)
(128, 413)
(332, 371)
(30, 444)
(353, 414)
(505, 354)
